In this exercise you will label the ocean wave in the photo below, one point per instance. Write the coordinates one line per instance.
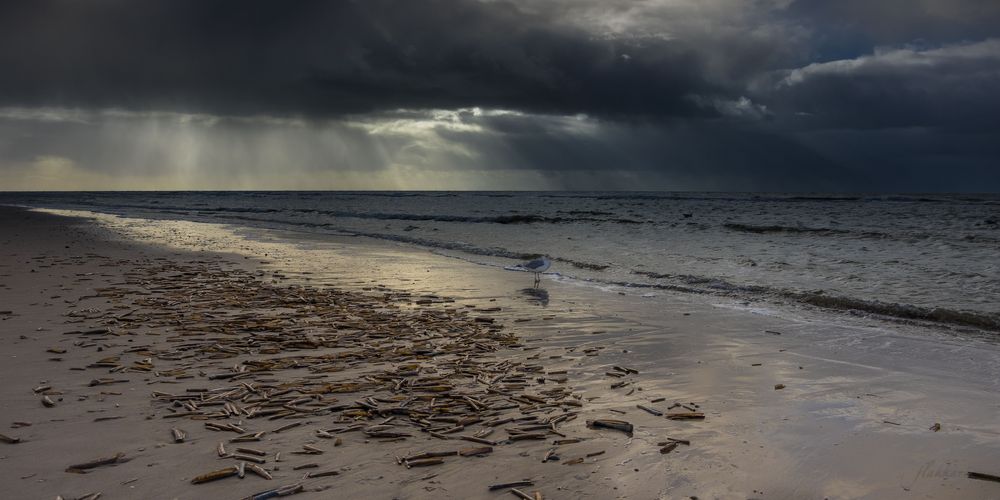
(764, 229)
(825, 231)
(492, 219)
(987, 199)
(939, 315)
(687, 279)
(821, 231)
(583, 265)
(201, 208)
(431, 243)
(942, 315)
(823, 198)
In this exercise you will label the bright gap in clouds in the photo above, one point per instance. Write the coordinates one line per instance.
(407, 149)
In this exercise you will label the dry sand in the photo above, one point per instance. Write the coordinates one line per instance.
(194, 327)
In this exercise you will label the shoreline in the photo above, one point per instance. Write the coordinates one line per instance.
(754, 441)
(922, 268)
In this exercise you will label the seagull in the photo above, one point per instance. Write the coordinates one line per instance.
(537, 266)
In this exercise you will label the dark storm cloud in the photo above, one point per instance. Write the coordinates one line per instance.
(585, 94)
(952, 87)
(333, 58)
(325, 58)
(863, 23)
(698, 155)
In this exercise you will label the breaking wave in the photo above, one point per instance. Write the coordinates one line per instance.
(940, 315)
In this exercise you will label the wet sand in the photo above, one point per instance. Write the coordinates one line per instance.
(853, 418)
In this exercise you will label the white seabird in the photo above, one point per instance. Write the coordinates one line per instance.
(537, 266)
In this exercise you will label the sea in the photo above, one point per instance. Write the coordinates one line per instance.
(931, 258)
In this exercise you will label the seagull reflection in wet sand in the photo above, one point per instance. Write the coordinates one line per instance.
(537, 295)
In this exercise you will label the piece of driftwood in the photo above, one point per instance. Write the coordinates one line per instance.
(983, 476)
(476, 452)
(520, 494)
(178, 435)
(93, 464)
(618, 425)
(215, 475)
(512, 484)
(649, 410)
(686, 416)
(256, 469)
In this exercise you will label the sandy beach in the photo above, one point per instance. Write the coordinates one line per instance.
(496, 249)
(344, 367)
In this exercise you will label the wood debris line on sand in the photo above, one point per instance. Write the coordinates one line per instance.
(254, 359)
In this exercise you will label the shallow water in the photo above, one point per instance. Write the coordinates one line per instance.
(930, 257)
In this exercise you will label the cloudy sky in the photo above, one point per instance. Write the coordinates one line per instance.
(749, 95)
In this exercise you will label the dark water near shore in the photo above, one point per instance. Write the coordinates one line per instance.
(928, 257)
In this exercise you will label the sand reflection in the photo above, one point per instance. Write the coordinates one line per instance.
(539, 296)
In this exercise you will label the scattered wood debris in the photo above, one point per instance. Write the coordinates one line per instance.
(249, 359)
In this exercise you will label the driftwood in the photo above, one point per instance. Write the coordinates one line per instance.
(79, 468)
(686, 416)
(619, 425)
(514, 484)
(216, 475)
(984, 477)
